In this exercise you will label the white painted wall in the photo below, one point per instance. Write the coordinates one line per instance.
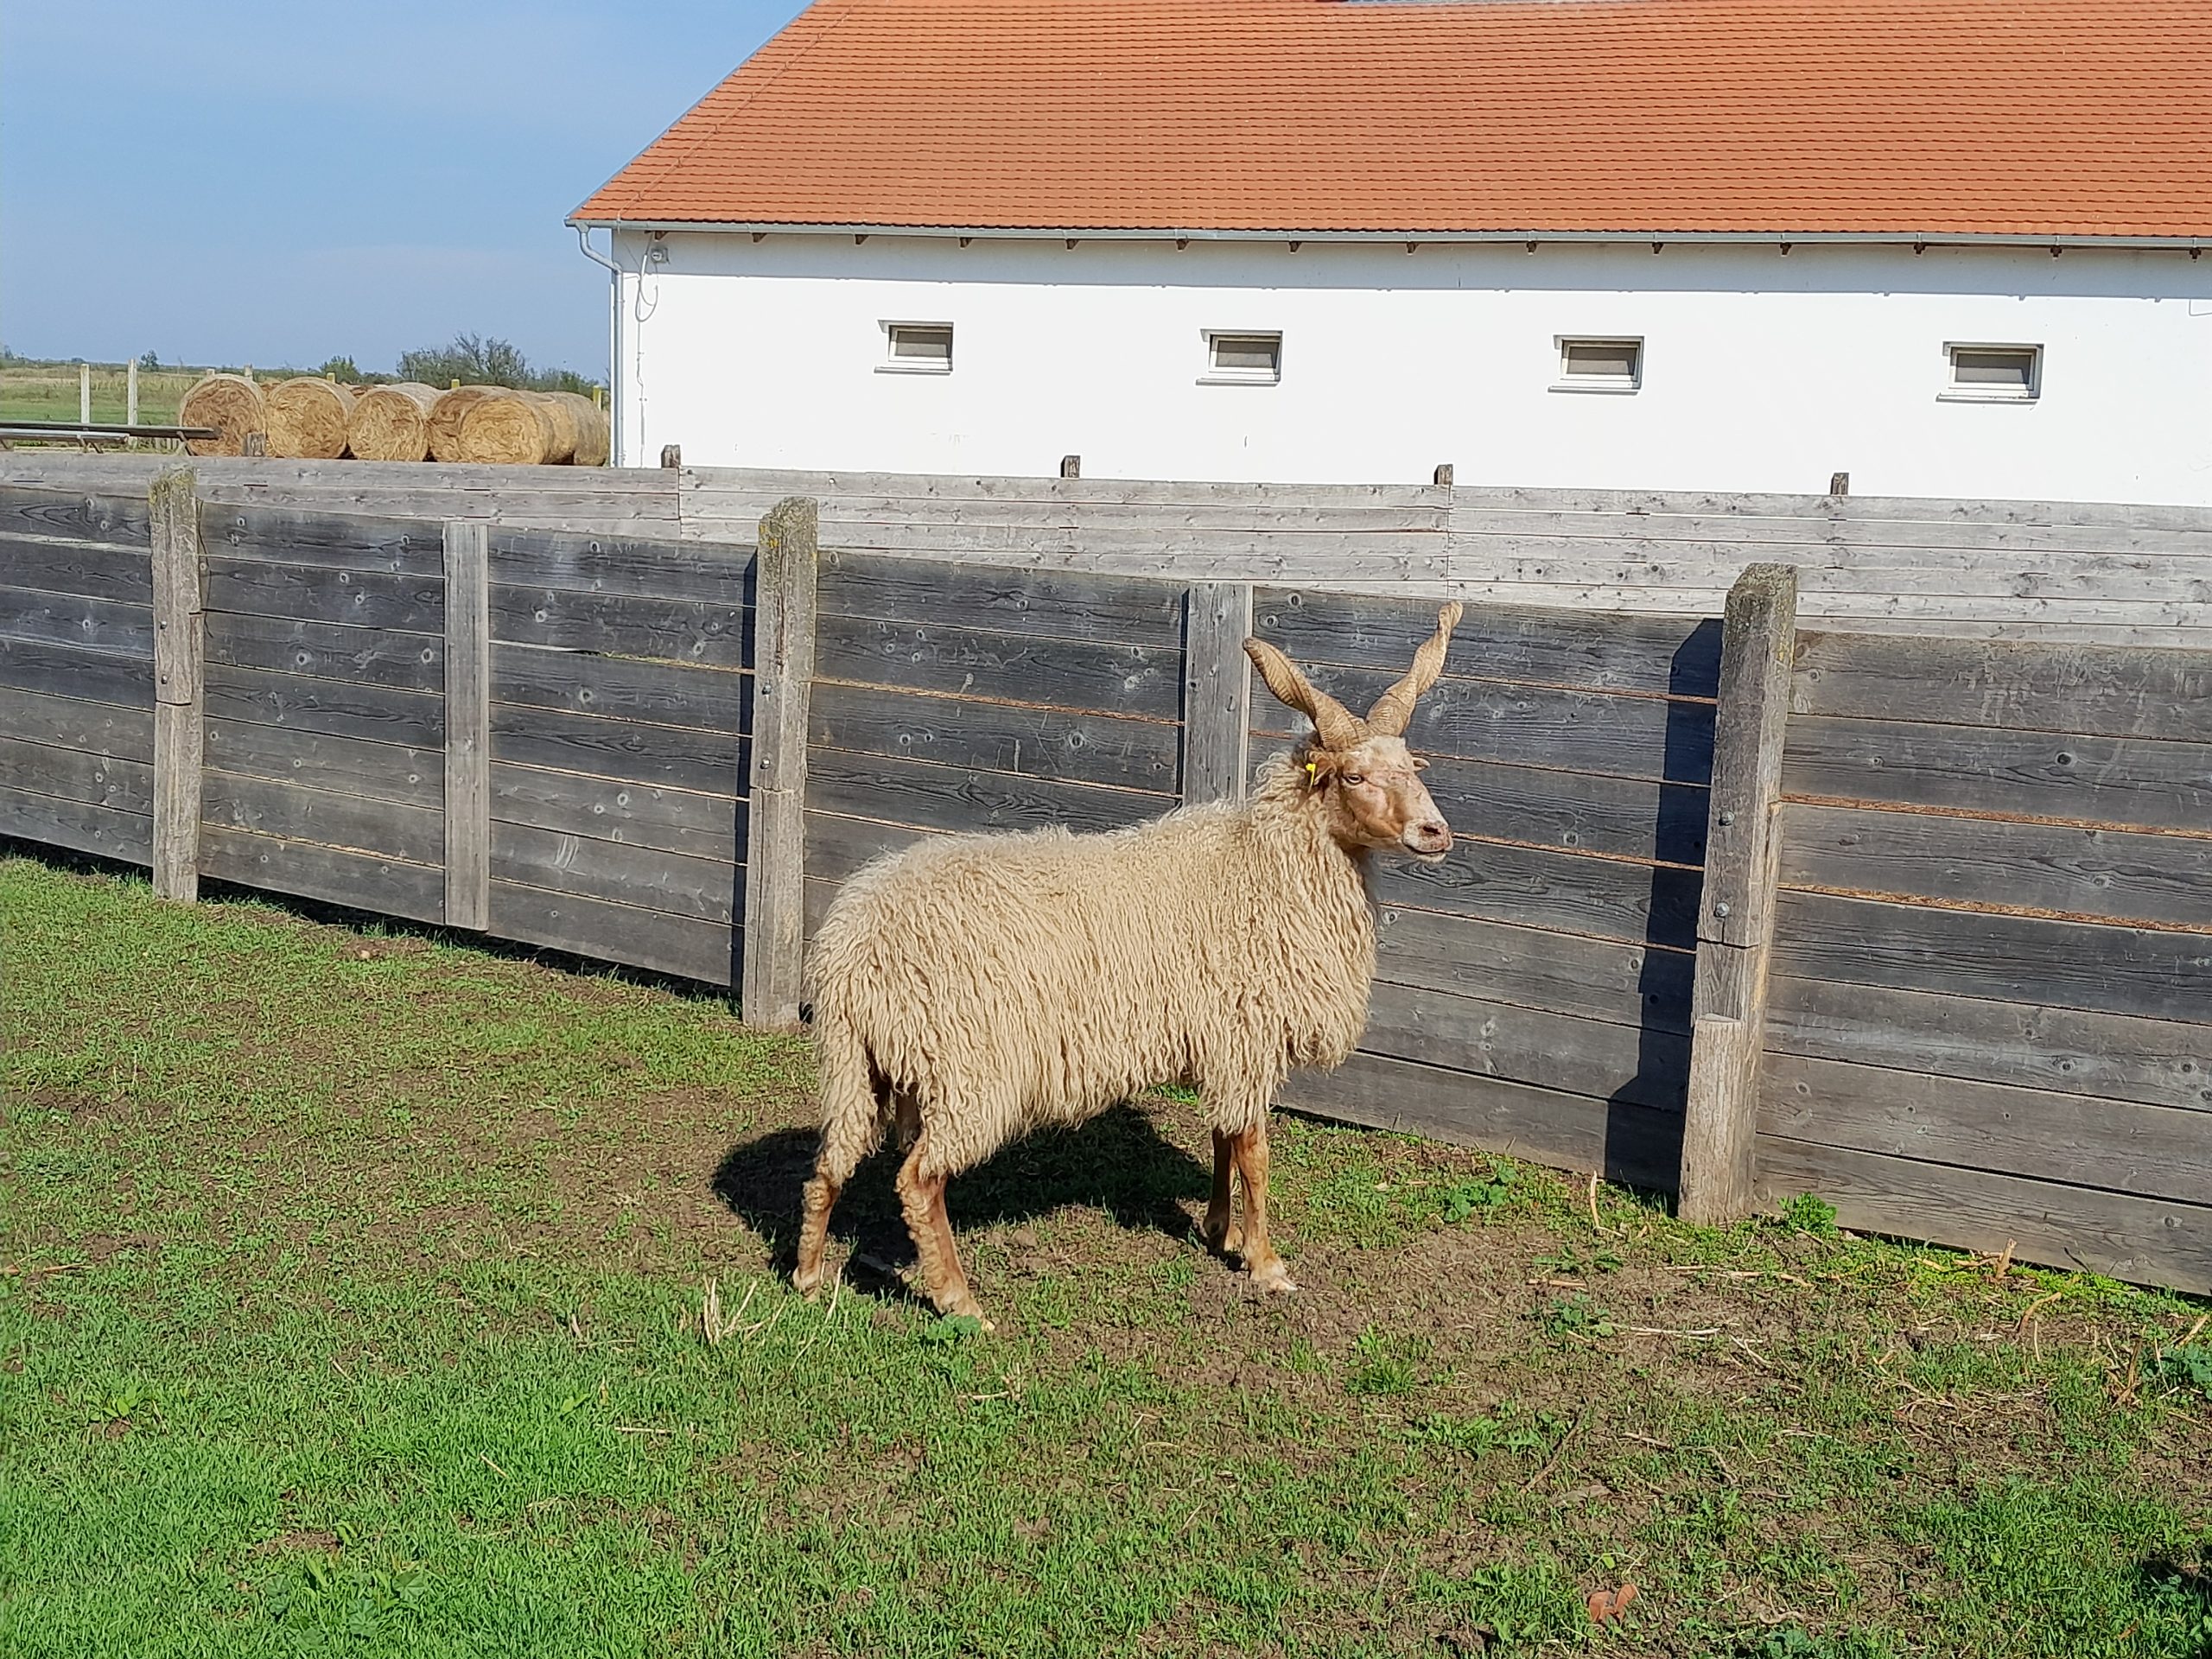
(1762, 371)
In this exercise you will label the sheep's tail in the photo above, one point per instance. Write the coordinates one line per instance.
(854, 1107)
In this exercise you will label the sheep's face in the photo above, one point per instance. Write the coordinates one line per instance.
(1373, 798)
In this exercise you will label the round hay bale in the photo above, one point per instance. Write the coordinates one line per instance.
(592, 437)
(391, 422)
(565, 432)
(308, 417)
(509, 429)
(229, 402)
(453, 407)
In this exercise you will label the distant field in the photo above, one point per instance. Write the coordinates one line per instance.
(50, 393)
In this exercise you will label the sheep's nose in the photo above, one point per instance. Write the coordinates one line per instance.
(1430, 836)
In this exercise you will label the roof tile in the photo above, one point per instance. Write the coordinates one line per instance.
(2026, 117)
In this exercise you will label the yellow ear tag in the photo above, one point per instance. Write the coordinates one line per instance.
(1310, 777)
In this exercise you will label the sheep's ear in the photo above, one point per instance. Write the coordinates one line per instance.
(1339, 727)
(1394, 708)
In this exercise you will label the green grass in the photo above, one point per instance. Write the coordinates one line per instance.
(354, 1296)
(52, 393)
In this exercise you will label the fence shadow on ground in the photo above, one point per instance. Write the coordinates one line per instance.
(1117, 1162)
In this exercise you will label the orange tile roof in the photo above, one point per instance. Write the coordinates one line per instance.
(2057, 118)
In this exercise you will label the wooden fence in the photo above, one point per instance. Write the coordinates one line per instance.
(2080, 571)
(1919, 923)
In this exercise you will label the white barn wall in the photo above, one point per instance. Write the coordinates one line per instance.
(1762, 372)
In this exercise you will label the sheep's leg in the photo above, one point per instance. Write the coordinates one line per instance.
(1267, 1268)
(1221, 1229)
(921, 1196)
(821, 1193)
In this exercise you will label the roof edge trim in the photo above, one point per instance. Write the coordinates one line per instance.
(1039, 233)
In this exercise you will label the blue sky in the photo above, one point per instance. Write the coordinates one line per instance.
(278, 183)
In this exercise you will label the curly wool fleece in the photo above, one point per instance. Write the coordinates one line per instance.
(1001, 982)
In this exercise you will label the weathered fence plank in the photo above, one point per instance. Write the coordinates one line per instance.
(179, 705)
(88, 570)
(604, 808)
(328, 817)
(702, 760)
(311, 593)
(647, 878)
(71, 774)
(2153, 1151)
(595, 928)
(716, 634)
(41, 618)
(1637, 1145)
(2112, 874)
(1596, 1058)
(329, 650)
(2101, 690)
(1677, 655)
(1542, 886)
(955, 799)
(1216, 692)
(67, 671)
(468, 725)
(1736, 919)
(620, 688)
(1073, 745)
(1480, 720)
(338, 875)
(2101, 968)
(1059, 605)
(1003, 667)
(72, 723)
(775, 857)
(382, 771)
(1632, 985)
(1987, 769)
(2146, 1240)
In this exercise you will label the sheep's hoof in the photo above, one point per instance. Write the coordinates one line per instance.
(1272, 1277)
(966, 1308)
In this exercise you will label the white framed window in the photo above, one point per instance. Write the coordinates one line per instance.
(1243, 357)
(1588, 363)
(917, 348)
(1983, 373)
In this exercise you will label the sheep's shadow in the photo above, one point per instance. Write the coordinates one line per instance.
(1116, 1162)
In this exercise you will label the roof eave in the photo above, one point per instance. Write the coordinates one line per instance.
(1164, 234)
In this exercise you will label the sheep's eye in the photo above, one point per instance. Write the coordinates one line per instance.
(1354, 777)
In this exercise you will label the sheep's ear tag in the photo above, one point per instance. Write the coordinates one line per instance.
(1312, 777)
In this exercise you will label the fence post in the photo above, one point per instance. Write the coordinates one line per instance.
(1736, 915)
(131, 394)
(775, 835)
(180, 647)
(1216, 690)
(468, 724)
(84, 394)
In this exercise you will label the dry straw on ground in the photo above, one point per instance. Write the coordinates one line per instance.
(392, 422)
(231, 404)
(308, 418)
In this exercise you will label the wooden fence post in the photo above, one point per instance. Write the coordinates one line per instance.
(775, 836)
(1216, 690)
(180, 649)
(1736, 916)
(468, 724)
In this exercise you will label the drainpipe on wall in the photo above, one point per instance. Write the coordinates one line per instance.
(613, 338)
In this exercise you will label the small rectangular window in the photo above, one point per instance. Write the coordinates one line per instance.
(1599, 364)
(919, 347)
(1995, 374)
(1244, 357)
